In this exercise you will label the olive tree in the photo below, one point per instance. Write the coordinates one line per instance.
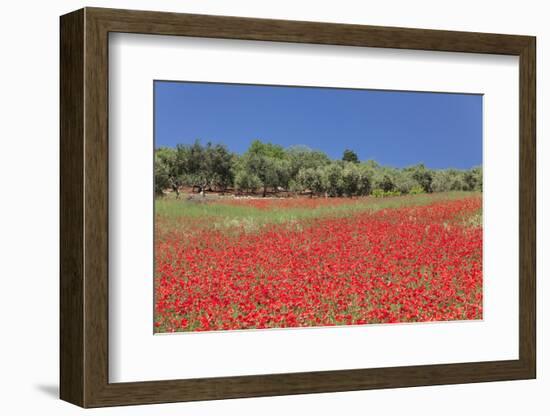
(351, 177)
(268, 163)
(167, 174)
(312, 180)
(247, 181)
(422, 176)
(333, 179)
(302, 157)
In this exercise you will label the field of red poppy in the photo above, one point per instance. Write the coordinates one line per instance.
(277, 263)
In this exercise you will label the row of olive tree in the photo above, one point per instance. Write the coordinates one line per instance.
(206, 167)
(268, 167)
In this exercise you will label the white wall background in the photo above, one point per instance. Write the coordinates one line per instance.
(29, 158)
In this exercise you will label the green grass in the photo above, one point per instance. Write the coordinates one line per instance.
(224, 215)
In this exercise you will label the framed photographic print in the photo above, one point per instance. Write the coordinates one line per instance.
(255, 207)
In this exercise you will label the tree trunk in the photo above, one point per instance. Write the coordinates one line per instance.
(176, 190)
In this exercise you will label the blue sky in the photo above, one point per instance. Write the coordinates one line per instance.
(394, 128)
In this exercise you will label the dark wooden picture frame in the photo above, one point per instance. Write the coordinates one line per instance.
(84, 207)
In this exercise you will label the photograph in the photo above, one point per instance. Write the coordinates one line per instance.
(280, 205)
(291, 206)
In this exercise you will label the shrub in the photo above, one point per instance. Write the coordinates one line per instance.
(415, 190)
(380, 193)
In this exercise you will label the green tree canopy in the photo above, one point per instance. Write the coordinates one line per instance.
(271, 168)
(350, 156)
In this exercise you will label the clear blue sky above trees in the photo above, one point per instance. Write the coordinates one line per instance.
(394, 128)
